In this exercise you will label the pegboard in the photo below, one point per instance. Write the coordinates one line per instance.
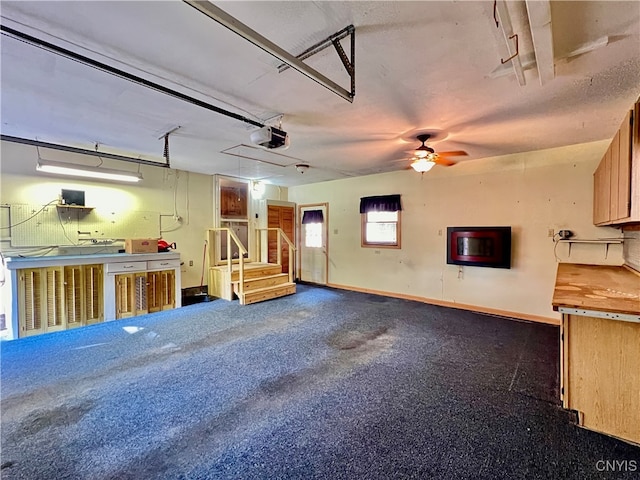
(105, 224)
(54, 226)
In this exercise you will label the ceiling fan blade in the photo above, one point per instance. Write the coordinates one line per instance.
(453, 153)
(445, 162)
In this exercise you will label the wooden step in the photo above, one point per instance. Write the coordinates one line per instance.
(267, 293)
(254, 270)
(262, 282)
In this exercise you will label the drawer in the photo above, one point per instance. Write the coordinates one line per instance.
(126, 267)
(163, 264)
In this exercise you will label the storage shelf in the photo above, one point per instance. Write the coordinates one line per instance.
(601, 241)
(75, 207)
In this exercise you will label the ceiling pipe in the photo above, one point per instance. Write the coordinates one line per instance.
(239, 28)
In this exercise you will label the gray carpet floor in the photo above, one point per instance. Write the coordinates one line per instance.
(324, 384)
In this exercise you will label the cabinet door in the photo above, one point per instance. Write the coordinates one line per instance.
(141, 301)
(83, 294)
(125, 295)
(154, 291)
(621, 205)
(168, 289)
(614, 163)
(30, 301)
(40, 300)
(602, 380)
(161, 290)
(54, 294)
(74, 295)
(93, 293)
(602, 190)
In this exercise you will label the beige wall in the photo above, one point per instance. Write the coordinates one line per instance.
(20, 183)
(532, 192)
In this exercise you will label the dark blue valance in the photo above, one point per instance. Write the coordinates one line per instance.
(312, 216)
(380, 203)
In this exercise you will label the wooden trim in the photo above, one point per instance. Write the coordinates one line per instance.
(299, 238)
(461, 306)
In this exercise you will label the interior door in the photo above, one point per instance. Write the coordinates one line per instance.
(281, 217)
(313, 244)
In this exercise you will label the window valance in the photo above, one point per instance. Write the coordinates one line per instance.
(312, 216)
(380, 203)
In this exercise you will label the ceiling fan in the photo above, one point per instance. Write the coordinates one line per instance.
(425, 157)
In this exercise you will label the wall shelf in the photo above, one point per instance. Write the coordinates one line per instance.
(601, 241)
(74, 207)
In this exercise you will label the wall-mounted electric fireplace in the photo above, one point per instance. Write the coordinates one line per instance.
(479, 246)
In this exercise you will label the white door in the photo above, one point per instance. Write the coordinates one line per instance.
(313, 243)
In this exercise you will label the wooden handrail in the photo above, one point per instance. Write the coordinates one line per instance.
(281, 235)
(241, 253)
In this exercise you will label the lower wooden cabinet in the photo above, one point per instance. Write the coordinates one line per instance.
(600, 376)
(53, 293)
(161, 291)
(144, 292)
(57, 298)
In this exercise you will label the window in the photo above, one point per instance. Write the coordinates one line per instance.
(312, 221)
(381, 229)
(313, 235)
(381, 221)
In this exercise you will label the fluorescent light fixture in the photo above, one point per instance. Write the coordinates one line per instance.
(75, 170)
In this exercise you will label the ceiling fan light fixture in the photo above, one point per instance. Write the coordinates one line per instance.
(422, 165)
(421, 153)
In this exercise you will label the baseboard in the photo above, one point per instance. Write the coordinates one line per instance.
(461, 306)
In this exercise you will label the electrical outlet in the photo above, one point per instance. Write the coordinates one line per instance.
(191, 263)
(550, 233)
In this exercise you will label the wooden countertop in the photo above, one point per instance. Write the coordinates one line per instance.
(14, 263)
(597, 287)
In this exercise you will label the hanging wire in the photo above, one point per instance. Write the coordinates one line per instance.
(64, 230)
(24, 221)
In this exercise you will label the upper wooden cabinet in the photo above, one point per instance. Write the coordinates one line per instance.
(616, 181)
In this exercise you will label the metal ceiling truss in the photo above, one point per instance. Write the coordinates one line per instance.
(239, 28)
(348, 62)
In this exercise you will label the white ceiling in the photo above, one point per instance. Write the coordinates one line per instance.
(419, 66)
